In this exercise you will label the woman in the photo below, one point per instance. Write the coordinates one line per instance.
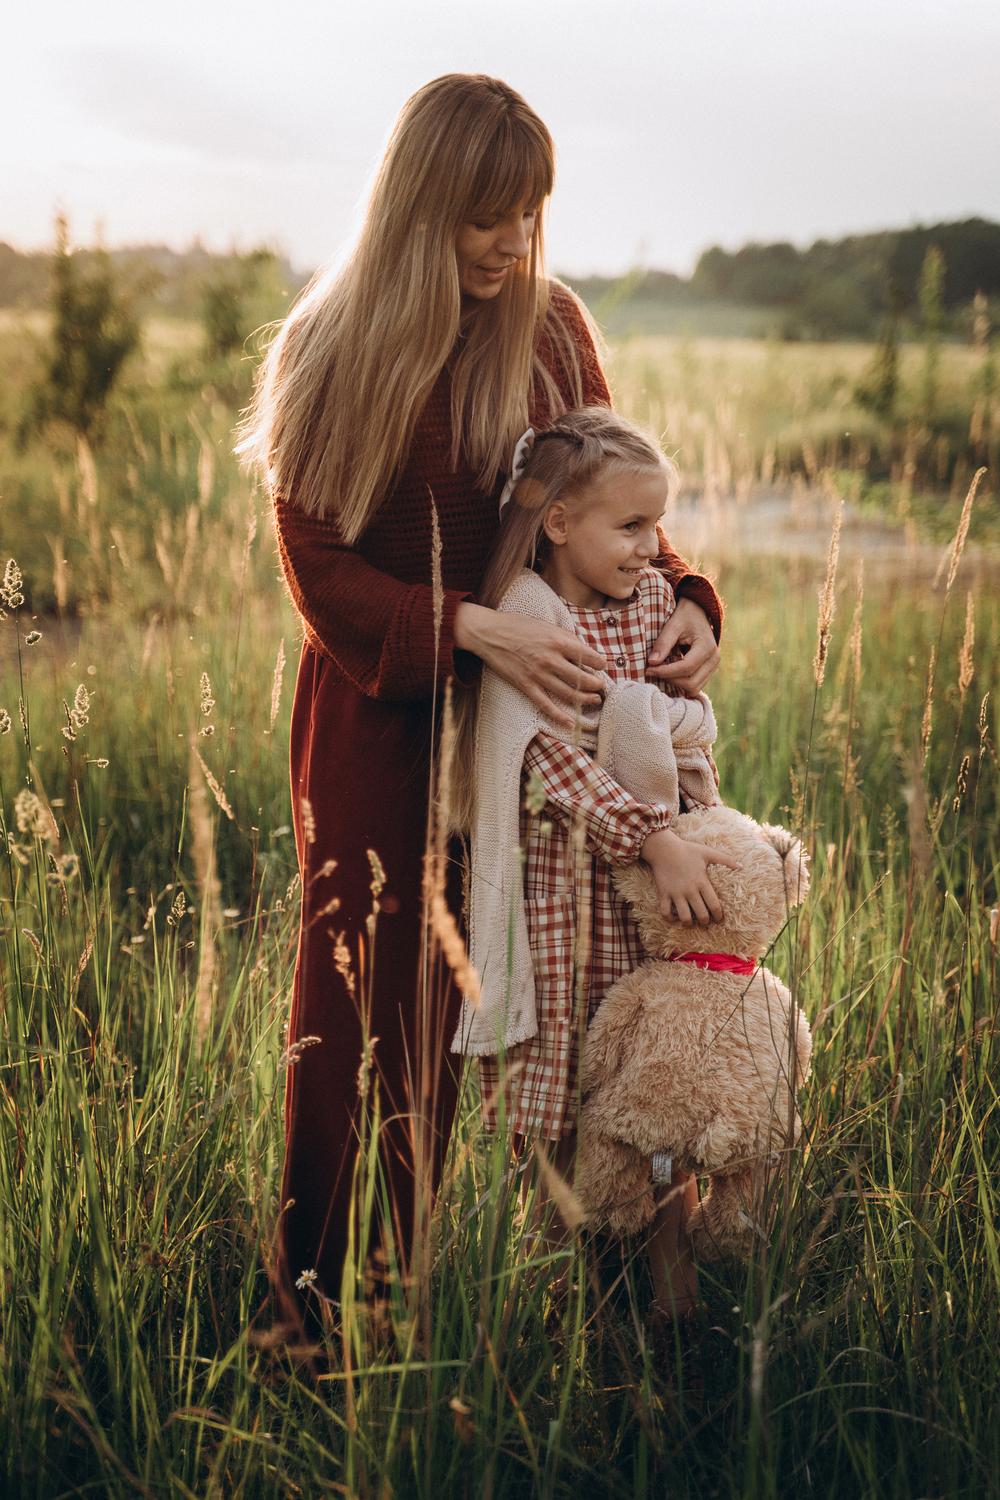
(396, 388)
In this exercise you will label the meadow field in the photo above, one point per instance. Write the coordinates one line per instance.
(148, 906)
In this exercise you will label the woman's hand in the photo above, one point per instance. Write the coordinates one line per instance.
(689, 627)
(680, 869)
(551, 666)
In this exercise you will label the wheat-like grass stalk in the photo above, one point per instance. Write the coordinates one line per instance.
(571, 1210)
(827, 600)
(191, 523)
(207, 876)
(437, 586)
(276, 681)
(854, 644)
(84, 958)
(442, 922)
(928, 718)
(216, 790)
(456, 955)
(87, 471)
(958, 545)
(33, 816)
(60, 572)
(965, 663)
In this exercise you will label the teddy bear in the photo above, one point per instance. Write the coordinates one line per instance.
(693, 1060)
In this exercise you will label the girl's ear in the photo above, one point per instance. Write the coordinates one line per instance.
(554, 523)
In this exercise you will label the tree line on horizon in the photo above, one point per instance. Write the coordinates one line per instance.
(843, 288)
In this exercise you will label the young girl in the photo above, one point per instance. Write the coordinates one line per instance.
(548, 932)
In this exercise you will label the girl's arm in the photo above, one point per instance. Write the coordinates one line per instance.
(620, 830)
(616, 825)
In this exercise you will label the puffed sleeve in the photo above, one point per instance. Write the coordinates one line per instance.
(686, 583)
(576, 788)
(378, 630)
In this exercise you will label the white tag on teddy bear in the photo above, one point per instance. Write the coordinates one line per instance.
(662, 1166)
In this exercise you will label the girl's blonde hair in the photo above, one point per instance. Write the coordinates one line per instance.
(344, 381)
(581, 447)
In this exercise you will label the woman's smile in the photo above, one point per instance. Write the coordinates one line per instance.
(509, 236)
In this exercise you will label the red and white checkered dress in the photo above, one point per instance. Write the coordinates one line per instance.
(581, 933)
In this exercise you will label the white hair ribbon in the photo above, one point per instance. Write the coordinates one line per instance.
(522, 449)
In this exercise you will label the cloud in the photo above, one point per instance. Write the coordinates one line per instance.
(202, 113)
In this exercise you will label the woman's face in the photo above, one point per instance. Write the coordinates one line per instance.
(486, 251)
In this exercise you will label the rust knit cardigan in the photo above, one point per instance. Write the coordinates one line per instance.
(359, 753)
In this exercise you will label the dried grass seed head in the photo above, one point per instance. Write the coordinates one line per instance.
(12, 585)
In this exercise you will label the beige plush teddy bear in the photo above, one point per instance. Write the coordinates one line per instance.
(692, 1060)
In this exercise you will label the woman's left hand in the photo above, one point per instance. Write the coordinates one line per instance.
(688, 627)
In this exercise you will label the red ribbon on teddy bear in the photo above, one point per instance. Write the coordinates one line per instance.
(719, 963)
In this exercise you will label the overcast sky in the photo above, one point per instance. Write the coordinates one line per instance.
(678, 123)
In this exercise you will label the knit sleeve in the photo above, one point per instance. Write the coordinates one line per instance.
(579, 327)
(595, 392)
(577, 789)
(688, 585)
(379, 630)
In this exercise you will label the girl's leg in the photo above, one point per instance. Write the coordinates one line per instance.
(671, 1262)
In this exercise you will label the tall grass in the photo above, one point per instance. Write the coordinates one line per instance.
(148, 942)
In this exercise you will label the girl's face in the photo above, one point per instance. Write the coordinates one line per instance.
(602, 538)
(486, 252)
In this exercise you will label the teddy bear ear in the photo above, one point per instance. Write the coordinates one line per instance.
(794, 860)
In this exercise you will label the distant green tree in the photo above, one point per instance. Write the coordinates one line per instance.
(227, 302)
(930, 296)
(94, 330)
(878, 387)
(831, 307)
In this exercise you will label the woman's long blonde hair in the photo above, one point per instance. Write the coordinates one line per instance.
(346, 377)
(582, 446)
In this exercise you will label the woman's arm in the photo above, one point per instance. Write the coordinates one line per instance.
(694, 587)
(551, 667)
(688, 585)
(379, 630)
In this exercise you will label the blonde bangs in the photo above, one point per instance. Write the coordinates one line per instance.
(343, 385)
(517, 166)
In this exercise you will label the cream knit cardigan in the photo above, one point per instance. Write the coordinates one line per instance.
(654, 745)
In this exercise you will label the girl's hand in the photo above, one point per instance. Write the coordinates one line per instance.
(551, 666)
(680, 869)
(688, 626)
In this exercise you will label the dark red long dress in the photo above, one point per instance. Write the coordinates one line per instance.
(360, 763)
